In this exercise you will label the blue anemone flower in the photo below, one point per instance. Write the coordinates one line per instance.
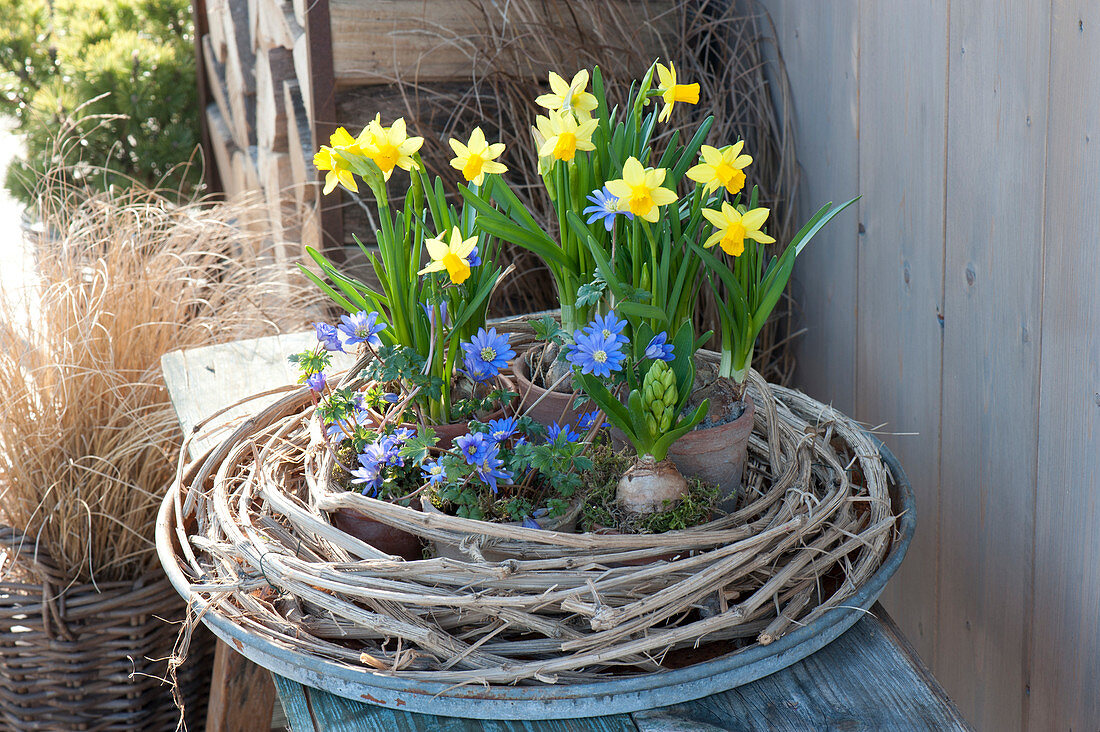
(489, 468)
(434, 472)
(503, 428)
(604, 206)
(487, 353)
(659, 349)
(595, 353)
(557, 430)
(362, 327)
(429, 310)
(473, 447)
(328, 336)
(369, 474)
(610, 325)
(530, 523)
(587, 420)
(316, 381)
(474, 258)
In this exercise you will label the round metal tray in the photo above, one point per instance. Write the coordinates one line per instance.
(614, 696)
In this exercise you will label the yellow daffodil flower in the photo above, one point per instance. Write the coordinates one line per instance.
(570, 97)
(389, 147)
(477, 157)
(721, 168)
(453, 257)
(639, 190)
(342, 140)
(672, 92)
(338, 171)
(733, 227)
(563, 136)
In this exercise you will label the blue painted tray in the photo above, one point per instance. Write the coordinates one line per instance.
(601, 698)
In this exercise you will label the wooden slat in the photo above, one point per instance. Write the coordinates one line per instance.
(240, 78)
(1066, 637)
(819, 41)
(321, 104)
(215, 78)
(241, 693)
(278, 184)
(273, 66)
(997, 102)
(902, 67)
(216, 11)
(298, 144)
(272, 23)
(386, 40)
(221, 143)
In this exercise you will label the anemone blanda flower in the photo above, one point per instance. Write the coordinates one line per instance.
(454, 258)
(429, 310)
(389, 147)
(372, 461)
(530, 523)
(489, 467)
(487, 351)
(339, 173)
(563, 136)
(316, 381)
(328, 336)
(605, 206)
(557, 430)
(721, 168)
(588, 420)
(595, 354)
(477, 157)
(503, 428)
(434, 472)
(609, 326)
(640, 191)
(473, 447)
(732, 228)
(659, 349)
(362, 327)
(673, 92)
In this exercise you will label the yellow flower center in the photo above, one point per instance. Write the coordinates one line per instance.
(641, 200)
(684, 93)
(605, 333)
(729, 176)
(488, 354)
(386, 157)
(599, 356)
(473, 166)
(733, 242)
(457, 268)
(566, 146)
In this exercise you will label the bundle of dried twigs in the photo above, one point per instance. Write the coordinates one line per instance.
(253, 536)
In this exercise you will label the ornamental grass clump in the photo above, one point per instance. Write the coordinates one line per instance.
(88, 438)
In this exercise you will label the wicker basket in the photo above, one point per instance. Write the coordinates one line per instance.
(77, 657)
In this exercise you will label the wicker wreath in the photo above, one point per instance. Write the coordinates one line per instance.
(254, 537)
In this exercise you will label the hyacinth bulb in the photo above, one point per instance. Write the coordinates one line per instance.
(650, 486)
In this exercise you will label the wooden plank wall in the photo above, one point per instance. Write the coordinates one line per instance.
(963, 305)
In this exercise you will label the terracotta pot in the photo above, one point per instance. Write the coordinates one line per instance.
(382, 537)
(451, 549)
(543, 406)
(717, 454)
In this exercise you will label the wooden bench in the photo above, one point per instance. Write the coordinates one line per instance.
(869, 678)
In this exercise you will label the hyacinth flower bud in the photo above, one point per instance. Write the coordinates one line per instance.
(659, 397)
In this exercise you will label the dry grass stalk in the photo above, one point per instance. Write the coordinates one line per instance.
(88, 438)
(815, 524)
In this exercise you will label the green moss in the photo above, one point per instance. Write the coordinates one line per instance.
(601, 511)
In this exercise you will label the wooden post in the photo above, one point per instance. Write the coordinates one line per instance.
(322, 105)
(242, 694)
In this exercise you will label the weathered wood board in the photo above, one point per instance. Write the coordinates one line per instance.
(866, 679)
(1065, 643)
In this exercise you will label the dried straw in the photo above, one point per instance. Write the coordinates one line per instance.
(254, 538)
(87, 435)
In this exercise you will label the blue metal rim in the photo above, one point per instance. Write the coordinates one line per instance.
(616, 696)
